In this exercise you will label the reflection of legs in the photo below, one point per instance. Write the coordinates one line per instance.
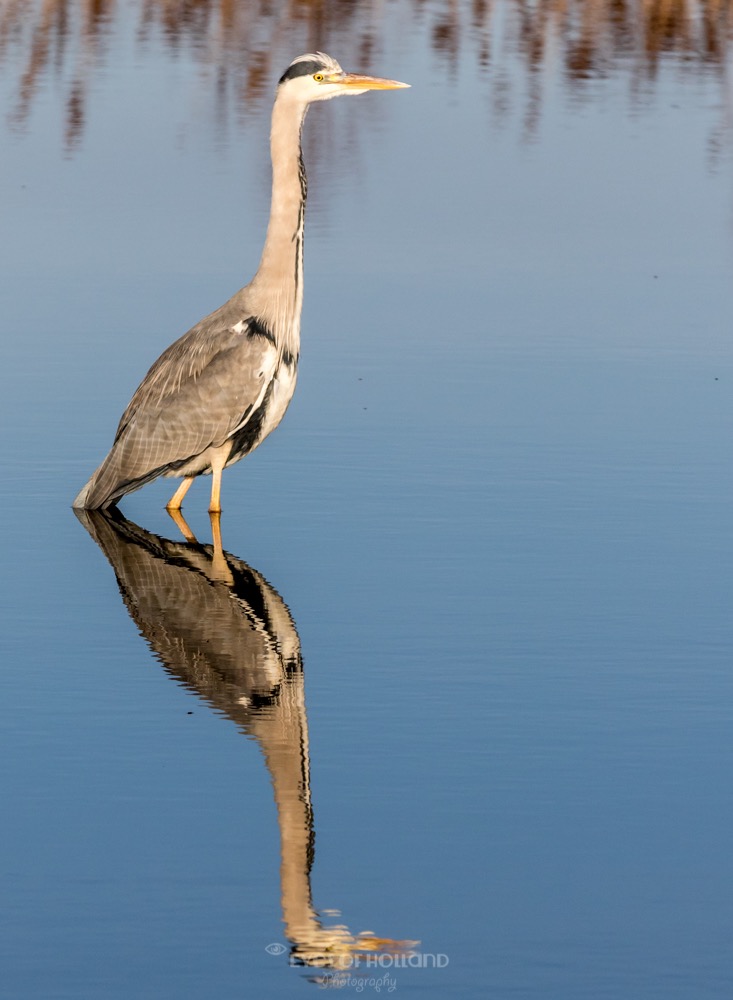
(180, 522)
(177, 499)
(219, 565)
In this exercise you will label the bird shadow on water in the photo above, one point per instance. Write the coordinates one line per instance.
(218, 628)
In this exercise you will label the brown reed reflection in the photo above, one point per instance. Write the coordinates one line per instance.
(596, 34)
(243, 46)
(218, 628)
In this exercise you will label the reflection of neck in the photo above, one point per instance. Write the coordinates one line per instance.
(282, 733)
(281, 266)
(283, 738)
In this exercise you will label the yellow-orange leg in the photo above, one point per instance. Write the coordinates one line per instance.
(218, 461)
(177, 499)
(215, 505)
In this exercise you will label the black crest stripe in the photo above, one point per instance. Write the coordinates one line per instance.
(304, 68)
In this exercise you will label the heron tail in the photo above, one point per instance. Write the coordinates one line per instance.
(109, 484)
(80, 503)
(105, 487)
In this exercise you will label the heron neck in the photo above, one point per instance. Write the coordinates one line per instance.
(279, 279)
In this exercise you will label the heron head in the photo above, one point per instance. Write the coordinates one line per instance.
(318, 77)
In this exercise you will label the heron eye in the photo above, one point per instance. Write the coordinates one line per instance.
(318, 77)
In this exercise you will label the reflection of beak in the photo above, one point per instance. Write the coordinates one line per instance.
(359, 82)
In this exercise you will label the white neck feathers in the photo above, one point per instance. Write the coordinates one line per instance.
(277, 288)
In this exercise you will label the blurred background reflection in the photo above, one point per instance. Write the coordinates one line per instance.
(242, 47)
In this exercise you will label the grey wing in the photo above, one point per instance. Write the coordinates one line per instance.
(198, 393)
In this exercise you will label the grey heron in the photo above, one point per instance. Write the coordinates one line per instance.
(216, 393)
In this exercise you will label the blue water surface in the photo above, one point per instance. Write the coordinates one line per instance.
(498, 512)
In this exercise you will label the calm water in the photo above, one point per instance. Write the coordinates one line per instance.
(465, 679)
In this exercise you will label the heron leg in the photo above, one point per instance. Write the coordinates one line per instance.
(218, 461)
(177, 499)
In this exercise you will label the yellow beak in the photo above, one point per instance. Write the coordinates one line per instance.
(359, 82)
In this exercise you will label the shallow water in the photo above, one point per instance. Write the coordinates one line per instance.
(465, 678)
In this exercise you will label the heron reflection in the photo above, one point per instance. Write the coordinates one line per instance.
(219, 628)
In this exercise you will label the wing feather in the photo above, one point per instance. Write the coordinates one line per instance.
(198, 392)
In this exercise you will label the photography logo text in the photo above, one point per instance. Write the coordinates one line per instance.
(404, 960)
